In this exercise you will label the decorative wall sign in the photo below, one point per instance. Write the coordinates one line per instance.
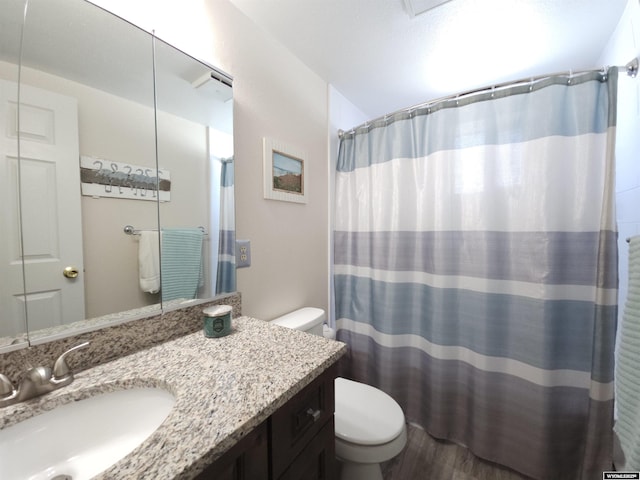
(104, 178)
(284, 173)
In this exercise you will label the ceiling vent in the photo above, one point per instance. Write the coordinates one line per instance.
(416, 7)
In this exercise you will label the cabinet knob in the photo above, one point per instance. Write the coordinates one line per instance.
(315, 414)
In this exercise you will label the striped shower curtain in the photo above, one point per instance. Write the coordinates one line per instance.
(226, 279)
(476, 270)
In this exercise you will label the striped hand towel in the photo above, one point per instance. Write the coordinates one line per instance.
(181, 261)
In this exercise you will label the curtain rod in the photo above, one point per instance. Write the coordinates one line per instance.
(631, 68)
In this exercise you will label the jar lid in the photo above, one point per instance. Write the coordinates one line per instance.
(217, 310)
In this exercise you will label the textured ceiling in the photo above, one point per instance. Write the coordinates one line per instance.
(382, 59)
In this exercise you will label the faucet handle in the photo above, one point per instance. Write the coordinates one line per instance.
(6, 387)
(60, 367)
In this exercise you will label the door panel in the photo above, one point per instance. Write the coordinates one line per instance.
(50, 204)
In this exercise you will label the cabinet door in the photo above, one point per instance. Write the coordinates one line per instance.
(247, 460)
(295, 424)
(317, 461)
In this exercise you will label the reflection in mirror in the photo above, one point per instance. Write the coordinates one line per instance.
(13, 328)
(197, 261)
(87, 81)
(83, 98)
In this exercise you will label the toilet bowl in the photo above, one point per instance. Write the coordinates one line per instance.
(369, 424)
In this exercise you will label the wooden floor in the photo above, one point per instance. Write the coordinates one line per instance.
(425, 458)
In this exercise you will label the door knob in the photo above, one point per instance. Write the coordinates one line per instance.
(70, 272)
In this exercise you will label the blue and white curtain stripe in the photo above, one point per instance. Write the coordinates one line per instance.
(226, 279)
(476, 270)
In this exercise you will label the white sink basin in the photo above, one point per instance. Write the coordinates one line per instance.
(83, 438)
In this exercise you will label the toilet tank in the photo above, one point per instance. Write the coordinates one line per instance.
(308, 319)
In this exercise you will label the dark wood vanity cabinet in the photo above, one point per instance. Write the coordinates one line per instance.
(246, 460)
(296, 443)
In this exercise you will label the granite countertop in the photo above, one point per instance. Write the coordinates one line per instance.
(224, 388)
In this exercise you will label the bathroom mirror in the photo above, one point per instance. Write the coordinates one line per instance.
(12, 311)
(90, 141)
(195, 137)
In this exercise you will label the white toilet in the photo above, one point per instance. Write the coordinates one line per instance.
(370, 426)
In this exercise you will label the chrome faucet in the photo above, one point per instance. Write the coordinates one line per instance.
(38, 380)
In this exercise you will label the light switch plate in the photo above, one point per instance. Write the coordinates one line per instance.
(243, 253)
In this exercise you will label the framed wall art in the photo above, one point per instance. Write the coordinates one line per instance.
(105, 178)
(285, 176)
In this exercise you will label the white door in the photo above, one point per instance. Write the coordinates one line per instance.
(51, 224)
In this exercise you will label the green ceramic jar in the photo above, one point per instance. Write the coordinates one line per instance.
(217, 321)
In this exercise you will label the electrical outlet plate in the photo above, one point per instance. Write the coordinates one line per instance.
(243, 253)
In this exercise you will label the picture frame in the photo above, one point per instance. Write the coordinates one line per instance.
(284, 171)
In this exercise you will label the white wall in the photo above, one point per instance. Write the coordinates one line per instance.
(275, 95)
(623, 46)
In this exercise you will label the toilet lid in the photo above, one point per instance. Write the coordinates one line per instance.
(366, 415)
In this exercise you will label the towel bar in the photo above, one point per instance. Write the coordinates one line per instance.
(130, 230)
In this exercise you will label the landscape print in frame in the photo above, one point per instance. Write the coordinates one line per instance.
(284, 172)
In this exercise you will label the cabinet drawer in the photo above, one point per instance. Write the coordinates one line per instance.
(294, 425)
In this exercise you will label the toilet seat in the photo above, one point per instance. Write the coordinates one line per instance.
(365, 415)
